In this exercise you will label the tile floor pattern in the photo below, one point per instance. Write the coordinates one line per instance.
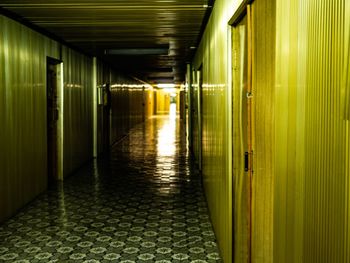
(141, 203)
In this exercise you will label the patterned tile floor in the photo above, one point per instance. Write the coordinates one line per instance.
(141, 203)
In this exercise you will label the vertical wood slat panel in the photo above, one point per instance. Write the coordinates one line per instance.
(313, 173)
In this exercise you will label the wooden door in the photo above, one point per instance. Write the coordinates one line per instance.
(242, 148)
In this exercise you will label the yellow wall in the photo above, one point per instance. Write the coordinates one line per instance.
(213, 55)
(77, 72)
(300, 135)
(23, 145)
(178, 101)
(312, 135)
(148, 100)
(22, 114)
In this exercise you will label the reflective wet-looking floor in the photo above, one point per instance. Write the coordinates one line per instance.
(141, 203)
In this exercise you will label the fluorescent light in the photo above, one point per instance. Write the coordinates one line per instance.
(166, 85)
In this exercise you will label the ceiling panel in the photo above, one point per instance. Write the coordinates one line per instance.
(97, 26)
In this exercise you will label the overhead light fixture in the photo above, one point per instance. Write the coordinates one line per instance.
(137, 51)
(166, 85)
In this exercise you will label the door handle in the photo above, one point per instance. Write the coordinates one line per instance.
(246, 161)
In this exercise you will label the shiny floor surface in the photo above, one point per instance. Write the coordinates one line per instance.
(141, 203)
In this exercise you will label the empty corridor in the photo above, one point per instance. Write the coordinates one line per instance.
(140, 203)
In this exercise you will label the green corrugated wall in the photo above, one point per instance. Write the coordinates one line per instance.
(301, 129)
(212, 55)
(78, 126)
(22, 114)
(312, 139)
(23, 146)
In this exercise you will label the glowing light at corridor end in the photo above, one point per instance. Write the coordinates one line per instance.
(166, 86)
(169, 87)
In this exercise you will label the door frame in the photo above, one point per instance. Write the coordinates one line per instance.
(240, 13)
(58, 64)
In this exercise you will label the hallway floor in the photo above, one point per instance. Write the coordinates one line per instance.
(141, 203)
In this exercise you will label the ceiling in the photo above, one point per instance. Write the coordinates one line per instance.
(149, 39)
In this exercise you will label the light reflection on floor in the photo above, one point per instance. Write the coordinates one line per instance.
(166, 137)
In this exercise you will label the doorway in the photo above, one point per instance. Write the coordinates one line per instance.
(54, 120)
(254, 92)
(200, 117)
(243, 135)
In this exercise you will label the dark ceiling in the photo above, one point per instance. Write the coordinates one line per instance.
(158, 36)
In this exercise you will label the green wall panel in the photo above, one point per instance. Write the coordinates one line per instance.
(214, 58)
(23, 169)
(311, 205)
(23, 145)
(78, 119)
(301, 129)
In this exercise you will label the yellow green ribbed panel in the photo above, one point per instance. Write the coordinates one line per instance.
(23, 145)
(213, 59)
(311, 204)
(22, 114)
(301, 185)
(77, 81)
